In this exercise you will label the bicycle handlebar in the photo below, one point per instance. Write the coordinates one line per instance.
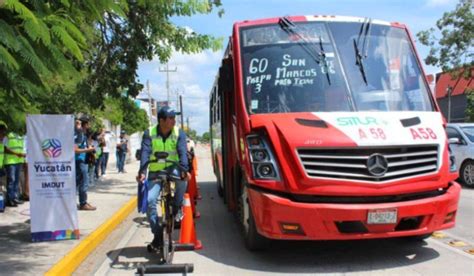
(162, 156)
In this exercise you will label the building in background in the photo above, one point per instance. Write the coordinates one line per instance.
(451, 96)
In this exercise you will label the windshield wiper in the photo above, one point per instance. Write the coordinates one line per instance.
(288, 26)
(323, 55)
(362, 53)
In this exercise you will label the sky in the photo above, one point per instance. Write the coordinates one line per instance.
(195, 73)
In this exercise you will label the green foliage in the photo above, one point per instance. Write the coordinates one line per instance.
(470, 105)
(78, 56)
(113, 111)
(206, 137)
(135, 119)
(191, 133)
(454, 50)
(146, 32)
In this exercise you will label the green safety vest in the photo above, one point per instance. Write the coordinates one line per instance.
(98, 152)
(170, 146)
(2, 152)
(15, 144)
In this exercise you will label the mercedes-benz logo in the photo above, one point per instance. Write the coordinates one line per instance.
(377, 164)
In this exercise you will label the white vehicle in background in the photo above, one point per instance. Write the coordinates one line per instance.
(461, 140)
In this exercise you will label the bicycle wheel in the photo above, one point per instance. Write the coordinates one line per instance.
(168, 247)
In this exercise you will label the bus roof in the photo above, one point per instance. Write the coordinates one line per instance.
(326, 18)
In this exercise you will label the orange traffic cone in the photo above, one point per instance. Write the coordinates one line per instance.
(197, 194)
(195, 165)
(192, 194)
(192, 186)
(188, 233)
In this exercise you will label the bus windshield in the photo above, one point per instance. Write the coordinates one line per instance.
(334, 66)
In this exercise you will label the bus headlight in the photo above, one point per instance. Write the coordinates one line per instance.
(266, 171)
(261, 156)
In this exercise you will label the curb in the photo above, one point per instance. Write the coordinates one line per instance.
(68, 264)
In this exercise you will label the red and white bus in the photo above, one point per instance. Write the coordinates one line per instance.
(324, 128)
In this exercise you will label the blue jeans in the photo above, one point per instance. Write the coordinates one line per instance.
(153, 193)
(121, 160)
(103, 162)
(13, 179)
(82, 181)
(97, 166)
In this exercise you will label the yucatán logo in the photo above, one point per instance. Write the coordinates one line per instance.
(377, 165)
(51, 148)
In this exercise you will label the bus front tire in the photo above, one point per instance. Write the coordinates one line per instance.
(253, 240)
(220, 190)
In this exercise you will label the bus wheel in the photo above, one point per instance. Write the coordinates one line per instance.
(220, 190)
(253, 240)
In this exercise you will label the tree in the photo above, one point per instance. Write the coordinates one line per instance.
(143, 32)
(42, 48)
(206, 137)
(134, 118)
(454, 51)
(69, 56)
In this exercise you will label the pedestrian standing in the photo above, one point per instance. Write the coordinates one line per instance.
(13, 161)
(24, 180)
(105, 152)
(98, 154)
(3, 133)
(81, 148)
(122, 150)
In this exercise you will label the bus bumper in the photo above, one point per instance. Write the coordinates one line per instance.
(280, 218)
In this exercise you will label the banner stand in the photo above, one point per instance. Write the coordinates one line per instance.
(52, 175)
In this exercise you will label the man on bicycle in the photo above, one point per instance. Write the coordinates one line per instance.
(163, 137)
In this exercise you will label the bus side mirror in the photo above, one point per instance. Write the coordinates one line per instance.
(454, 140)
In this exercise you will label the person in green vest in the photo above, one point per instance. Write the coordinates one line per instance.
(14, 158)
(163, 137)
(3, 133)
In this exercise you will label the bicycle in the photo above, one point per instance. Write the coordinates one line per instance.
(165, 201)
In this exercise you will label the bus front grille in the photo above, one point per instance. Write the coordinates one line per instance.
(373, 164)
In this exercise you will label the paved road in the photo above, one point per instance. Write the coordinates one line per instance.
(465, 218)
(224, 252)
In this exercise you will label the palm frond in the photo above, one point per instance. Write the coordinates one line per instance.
(7, 59)
(91, 5)
(67, 41)
(69, 26)
(60, 59)
(9, 39)
(37, 31)
(66, 3)
(22, 11)
(31, 58)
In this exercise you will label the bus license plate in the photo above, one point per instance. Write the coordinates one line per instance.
(382, 216)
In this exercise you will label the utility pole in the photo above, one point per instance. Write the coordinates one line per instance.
(167, 70)
(449, 90)
(181, 109)
(149, 102)
(187, 122)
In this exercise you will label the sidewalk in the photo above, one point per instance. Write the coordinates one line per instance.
(20, 256)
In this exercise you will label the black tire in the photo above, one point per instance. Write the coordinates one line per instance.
(253, 240)
(168, 248)
(220, 190)
(466, 174)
